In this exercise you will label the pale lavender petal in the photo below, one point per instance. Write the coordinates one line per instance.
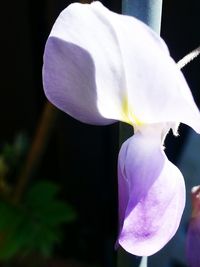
(100, 66)
(123, 188)
(83, 71)
(152, 210)
(69, 81)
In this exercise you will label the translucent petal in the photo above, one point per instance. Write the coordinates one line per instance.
(152, 198)
(100, 66)
(83, 72)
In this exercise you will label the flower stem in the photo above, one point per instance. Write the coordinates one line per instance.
(38, 146)
(149, 11)
(188, 58)
(143, 262)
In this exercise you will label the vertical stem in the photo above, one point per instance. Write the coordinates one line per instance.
(149, 11)
(38, 146)
(143, 262)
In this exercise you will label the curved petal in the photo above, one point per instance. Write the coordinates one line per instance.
(151, 212)
(117, 66)
(69, 81)
(156, 90)
(83, 72)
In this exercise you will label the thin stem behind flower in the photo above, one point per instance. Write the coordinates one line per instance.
(40, 141)
(188, 58)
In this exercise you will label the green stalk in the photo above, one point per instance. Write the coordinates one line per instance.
(149, 11)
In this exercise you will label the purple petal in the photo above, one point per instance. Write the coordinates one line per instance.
(193, 233)
(152, 196)
(193, 243)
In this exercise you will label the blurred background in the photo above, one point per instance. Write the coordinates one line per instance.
(58, 180)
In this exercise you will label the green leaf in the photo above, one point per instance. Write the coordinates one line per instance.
(35, 225)
(40, 238)
(47, 240)
(55, 213)
(11, 239)
(9, 215)
(41, 201)
(41, 193)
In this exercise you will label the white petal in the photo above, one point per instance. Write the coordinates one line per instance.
(83, 71)
(156, 90)
(115, 66)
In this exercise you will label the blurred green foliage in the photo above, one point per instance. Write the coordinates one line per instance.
(32, 226)
(13, 154)
(11, 159)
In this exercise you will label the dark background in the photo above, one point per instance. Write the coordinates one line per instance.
(81, 158)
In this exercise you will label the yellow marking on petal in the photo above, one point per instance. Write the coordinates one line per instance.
(128, 115)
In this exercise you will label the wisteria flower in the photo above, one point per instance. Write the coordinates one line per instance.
(101, 67)
(193, 234)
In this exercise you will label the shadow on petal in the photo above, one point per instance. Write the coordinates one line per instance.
(69, 81)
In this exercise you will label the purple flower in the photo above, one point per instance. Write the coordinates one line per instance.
(193, 234)
(100, 67)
